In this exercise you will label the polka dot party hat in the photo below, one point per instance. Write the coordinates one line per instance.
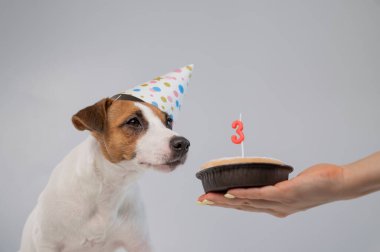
(165, 92)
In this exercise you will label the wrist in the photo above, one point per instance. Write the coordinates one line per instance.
(350, 187)
(343, 185)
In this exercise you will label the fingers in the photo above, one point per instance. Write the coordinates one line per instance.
(260, 204)
(251, 209)
(269, 199)
(263, 206)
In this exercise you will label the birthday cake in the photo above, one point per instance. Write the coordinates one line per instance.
(223, 174)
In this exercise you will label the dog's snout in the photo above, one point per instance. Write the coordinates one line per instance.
(179, 144)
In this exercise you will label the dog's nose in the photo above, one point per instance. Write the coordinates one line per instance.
(179, 144)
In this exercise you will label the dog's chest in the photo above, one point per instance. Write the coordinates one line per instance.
(108, 220)
(100, 231)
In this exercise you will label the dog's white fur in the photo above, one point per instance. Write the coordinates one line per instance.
(91, 204)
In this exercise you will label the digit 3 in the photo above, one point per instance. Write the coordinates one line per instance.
(238, 125)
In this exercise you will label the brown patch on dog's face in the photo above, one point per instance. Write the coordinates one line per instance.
(117, 125)
(125, 124)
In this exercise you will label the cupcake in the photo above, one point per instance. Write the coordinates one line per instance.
(223, 174)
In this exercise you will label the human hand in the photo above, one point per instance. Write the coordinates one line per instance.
(314, 186)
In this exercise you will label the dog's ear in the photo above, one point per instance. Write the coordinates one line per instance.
(92, 117)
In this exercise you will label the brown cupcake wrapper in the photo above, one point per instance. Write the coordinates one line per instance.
(224, 177)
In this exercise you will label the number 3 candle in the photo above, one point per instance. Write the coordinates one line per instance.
(238, 126)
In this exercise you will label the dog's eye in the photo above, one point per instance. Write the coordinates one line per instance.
(169, 123)
(134, 122)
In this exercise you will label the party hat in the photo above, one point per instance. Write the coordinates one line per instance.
(165, 92)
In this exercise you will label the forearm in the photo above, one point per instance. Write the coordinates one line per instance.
(362, 177)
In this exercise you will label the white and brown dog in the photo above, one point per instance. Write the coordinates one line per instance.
(91, 202)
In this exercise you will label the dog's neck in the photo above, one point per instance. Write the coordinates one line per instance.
(112, 180)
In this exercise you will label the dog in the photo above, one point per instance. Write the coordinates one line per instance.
(91, 202)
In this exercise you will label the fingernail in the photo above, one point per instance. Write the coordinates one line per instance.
(200, 203)
(229, 196)
(207, 202)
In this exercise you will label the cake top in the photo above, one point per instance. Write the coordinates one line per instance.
(240, 160)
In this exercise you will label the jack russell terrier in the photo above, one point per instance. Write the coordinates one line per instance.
(91, 202)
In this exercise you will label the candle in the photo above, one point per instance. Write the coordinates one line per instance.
(238, 126)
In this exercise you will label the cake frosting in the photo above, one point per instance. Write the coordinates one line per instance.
(240, 160)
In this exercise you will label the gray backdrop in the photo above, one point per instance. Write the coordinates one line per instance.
(305, 75)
